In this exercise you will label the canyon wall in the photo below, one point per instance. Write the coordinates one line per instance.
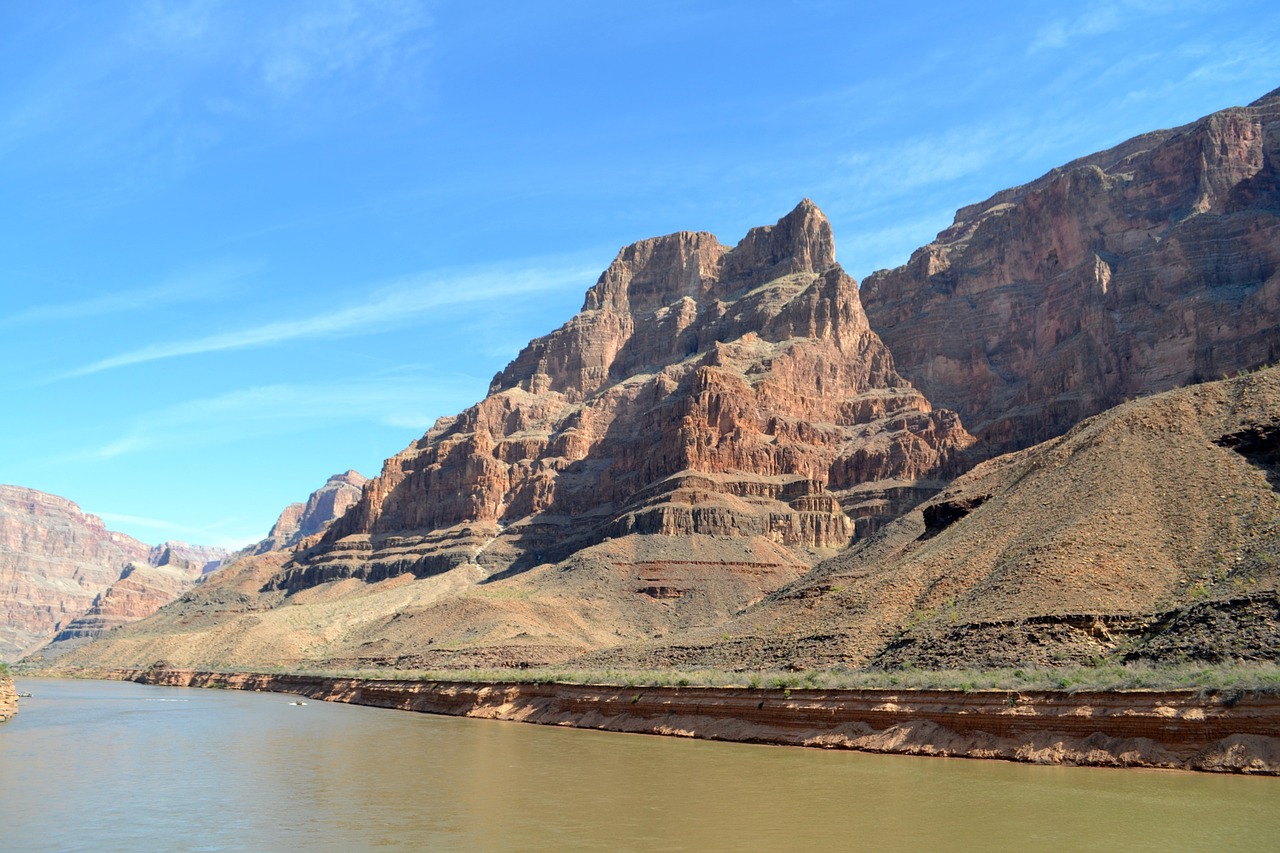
(325, 505)
(63, 573)
(1149, 266)
(54, 560)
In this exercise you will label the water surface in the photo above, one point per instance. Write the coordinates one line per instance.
(110, 766)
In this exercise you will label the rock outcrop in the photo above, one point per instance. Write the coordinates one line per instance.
(141, 590)
(1172, 729)
(711, 424)
(1146, 267)
(702, 390)
(185, 556)
(325, 505)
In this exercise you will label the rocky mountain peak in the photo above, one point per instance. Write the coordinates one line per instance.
(800, 242)
(702, 391)
(299, 520)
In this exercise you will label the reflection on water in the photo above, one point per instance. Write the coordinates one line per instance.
(92, 765)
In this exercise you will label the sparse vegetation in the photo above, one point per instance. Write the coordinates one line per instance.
(1232, 678)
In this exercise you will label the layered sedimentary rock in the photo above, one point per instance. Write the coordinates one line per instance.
(183, 555)
(61, 570)
(54, 559)
(1172, 729)
(1148, 533)
(1149, 266)
(325, 505)
(702, 390)
(141, 590)
(712, 423)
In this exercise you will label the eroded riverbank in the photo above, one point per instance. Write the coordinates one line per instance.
(1168, 729)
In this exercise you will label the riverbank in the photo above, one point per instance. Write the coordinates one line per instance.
(8, 698)
(1165, 729)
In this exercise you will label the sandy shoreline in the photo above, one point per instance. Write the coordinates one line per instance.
(1167, 729)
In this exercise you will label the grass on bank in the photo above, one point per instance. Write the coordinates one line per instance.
(1248, 677)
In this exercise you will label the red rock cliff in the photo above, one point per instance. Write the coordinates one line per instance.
(1142, 268)
(701, 390)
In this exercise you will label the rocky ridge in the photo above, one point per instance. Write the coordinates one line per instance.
(54, 559)
(710, 425)
(1146, 267)
(652, 483)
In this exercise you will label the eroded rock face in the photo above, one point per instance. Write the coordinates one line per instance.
(60, 566)
(141, 590)
(54, 559)
(733, 392)
(325, 505)
(1146, 267)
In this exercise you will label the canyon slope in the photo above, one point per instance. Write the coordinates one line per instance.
(58, 563)
(1150, 532)
(1148, 266)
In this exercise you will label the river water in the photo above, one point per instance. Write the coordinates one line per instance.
(111, 766)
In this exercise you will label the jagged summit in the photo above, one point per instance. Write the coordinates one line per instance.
(717, 420)
(299, 520)
(655, 273)
(702, 391)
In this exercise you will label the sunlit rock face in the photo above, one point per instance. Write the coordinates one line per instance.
(702, 390)
(1142, 268)
(324, 506)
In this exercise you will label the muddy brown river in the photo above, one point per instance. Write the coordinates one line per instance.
(107, 766)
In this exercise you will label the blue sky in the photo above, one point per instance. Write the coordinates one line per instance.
(249, 245)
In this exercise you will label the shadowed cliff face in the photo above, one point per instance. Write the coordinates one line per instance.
(701, 390)
(1143, 268)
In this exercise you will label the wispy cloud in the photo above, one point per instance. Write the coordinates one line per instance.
(400, 398)
(927, 160)
(1097, 19)
(205, 533)
(204, 284)
(397, 304)
(323, 43)
(155, 88)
